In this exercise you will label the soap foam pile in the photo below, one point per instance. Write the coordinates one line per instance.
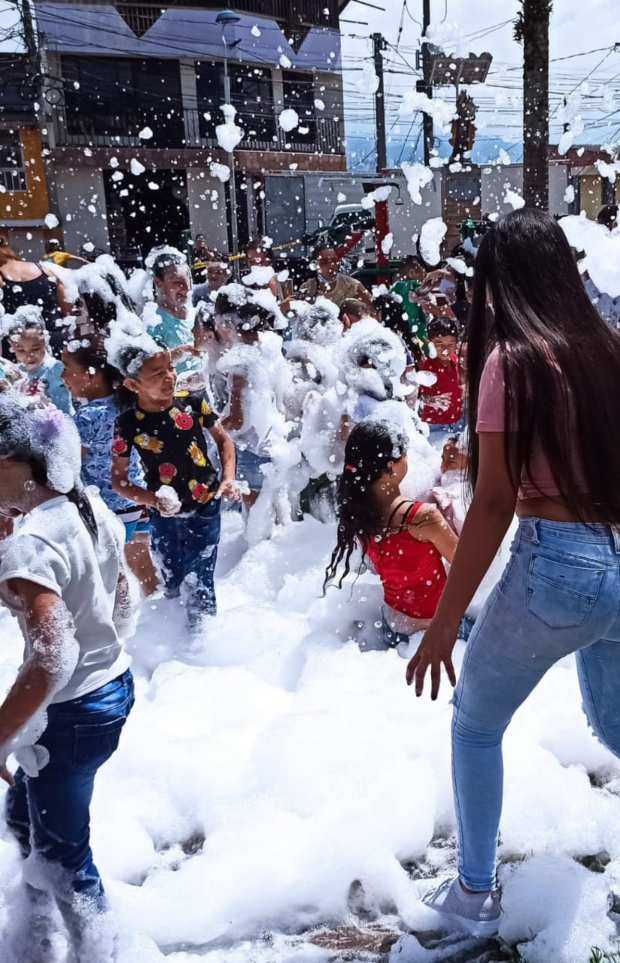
(258, 777)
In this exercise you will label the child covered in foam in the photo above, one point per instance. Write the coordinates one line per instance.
(43, 374)
(182, 490)
(258, 382)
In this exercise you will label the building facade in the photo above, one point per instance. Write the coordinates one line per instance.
(132, 100)
(24, 198)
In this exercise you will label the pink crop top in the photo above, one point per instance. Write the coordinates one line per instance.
(491, 417)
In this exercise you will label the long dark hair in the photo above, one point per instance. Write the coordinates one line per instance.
(561, 363)
(77, 495)
(371, 446)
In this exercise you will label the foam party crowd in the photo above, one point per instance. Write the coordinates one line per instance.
(280, 560)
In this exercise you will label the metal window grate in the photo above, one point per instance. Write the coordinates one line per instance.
(12, 173)
(139, 19)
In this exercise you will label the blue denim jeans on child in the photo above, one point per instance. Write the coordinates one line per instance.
(559, 594)
(49, 814)
(186, 546)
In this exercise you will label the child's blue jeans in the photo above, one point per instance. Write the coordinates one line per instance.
(49, 814)
(559, 594)
(186, 547)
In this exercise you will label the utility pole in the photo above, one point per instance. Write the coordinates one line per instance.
(378, 46)
(532, 27)
(29, 33)
(427, 120)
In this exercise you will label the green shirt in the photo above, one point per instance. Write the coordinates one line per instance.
(415, 314)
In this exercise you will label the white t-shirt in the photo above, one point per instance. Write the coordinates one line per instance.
(53, 547)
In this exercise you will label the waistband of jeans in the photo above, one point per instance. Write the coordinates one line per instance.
(593, 532)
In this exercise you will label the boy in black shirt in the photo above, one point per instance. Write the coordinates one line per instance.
(183, 491)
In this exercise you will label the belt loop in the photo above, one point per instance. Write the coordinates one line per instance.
(529, 528)
(615, 534)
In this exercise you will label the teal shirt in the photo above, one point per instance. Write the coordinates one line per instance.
(173, 332)
(48, 378)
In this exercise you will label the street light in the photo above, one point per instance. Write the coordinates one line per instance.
(227, 20)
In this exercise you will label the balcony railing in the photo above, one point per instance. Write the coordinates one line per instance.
(191, 131)
(13, 179)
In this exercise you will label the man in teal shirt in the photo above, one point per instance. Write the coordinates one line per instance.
(176, 328)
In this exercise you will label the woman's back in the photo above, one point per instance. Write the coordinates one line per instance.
(556, 383)
(22, 283)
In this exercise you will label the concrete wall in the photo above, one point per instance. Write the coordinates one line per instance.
(496, 180)
(27, 241)
(207, 208)
(79, 203)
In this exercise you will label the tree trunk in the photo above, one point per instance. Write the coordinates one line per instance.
(533, 28)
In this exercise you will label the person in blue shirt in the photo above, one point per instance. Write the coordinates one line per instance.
(42, 372)
(176, 328)
(94, 383)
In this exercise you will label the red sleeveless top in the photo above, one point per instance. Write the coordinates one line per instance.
(411, 571)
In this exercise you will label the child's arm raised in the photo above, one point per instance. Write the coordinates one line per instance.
(429, 525)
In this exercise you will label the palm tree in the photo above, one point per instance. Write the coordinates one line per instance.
(532, 27)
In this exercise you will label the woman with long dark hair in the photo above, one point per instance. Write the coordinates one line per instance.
(544, 401)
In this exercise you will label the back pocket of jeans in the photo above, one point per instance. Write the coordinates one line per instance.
(94, 743)
(562, 594)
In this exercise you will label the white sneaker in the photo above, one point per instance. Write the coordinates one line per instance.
(477, 913)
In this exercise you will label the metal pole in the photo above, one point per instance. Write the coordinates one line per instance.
(231, 162)
(378, 45)
(428, 87)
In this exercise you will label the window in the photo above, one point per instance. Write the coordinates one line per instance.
(12, 173)
(110, 100)
(210, 94)
(299, 94)
(250, 94)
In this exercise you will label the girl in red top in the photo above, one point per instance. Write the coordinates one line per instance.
(405, 541)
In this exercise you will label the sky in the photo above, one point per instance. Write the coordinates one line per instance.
(577, 26)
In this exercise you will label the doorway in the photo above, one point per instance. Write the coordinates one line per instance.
(146, 211)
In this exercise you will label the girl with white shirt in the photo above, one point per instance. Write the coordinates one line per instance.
(61, 575)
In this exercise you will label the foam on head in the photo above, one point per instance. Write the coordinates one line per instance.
(26, 319)
(31, 430)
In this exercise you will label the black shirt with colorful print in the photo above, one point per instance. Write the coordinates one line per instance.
(172, 447)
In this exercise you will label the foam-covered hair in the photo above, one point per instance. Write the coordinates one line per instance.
(319, 322)
(249, 310)
(30, 430)
(27, 318)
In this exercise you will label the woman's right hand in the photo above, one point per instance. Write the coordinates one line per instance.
(434, 651)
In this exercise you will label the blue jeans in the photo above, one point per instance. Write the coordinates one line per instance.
(391, 638)
(186, 546)
(454, 429)
(249, 468)
(559, 594)
(49, 814)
